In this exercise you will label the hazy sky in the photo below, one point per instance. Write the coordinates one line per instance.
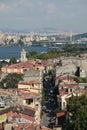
(64, 15)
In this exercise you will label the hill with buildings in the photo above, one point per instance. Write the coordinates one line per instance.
(79, 36)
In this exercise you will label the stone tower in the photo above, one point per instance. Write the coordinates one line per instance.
(23, 55)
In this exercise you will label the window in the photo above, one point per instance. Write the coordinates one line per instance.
(25, 69)
(70, 90)
(63, 104)
(32, 85)
(29, 101)
(67, 90)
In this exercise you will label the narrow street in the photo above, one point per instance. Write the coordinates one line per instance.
(48, 118)
(45, 120)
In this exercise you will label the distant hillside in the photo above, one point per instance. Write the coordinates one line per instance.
(84, 35)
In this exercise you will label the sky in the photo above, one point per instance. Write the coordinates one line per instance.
(62, 15)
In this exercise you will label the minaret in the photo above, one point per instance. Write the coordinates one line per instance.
(23, 55)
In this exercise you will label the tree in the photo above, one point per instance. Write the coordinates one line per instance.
(13, 60)
(77, 106)
(11, 80)
(80, 79)
(43, 56)
(43, 102)
(31, 54)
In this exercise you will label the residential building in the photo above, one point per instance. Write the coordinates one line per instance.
(67, 87)
(67, 67)
(32, 86)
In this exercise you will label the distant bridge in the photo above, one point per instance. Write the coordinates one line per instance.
(50, 43)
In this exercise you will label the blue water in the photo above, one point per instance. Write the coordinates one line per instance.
(15, 51)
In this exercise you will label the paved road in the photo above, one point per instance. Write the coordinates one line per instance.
(50, 104)
(45, 120)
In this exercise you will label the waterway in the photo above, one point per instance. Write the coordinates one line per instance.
(6, 52)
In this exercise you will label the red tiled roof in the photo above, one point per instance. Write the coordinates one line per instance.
(0, 73)
(1, 126)
(30, 82)
(29, 108)
(60, 114)
(15, 115)
(26, 64)
(69, 84)
(65, 76)
(34, 81)
(45, 129)
(62, 92)
(22, 90)
(24, 125)
(28, 117)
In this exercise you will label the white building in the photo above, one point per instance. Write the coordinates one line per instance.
(23, 55)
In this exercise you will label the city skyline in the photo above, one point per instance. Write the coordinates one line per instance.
(64, 15)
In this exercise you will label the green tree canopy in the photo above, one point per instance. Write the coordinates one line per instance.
(43, 56)
(32, 54)
(13, 60)
(43, 102)
(11, 80)
(77, 106)
(68, 50)
(80, 79)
